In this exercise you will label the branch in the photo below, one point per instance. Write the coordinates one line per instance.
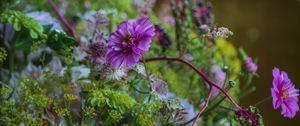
(199, 72)
(205, 105)
(62, 19)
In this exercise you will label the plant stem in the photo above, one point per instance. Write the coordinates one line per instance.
(67, 25)
(262, 101)
(199, 72)
(11, 55)
(62, 19)
(205, 105)
(142, 92)
(11, 60)
(215, 105)
(227, 108)
(247, 91)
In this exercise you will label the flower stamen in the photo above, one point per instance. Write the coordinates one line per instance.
(285, 95)
(127, 39)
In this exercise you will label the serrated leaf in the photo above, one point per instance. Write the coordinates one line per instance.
(17, 26)
(19, 20)
(10, 20)
(60, 41)
(33, 34)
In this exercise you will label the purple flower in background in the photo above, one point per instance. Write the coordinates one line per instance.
(44, 18)
(163, 38)
(170, 20)
(220, 78)
(129, 42)
(250, 65)
(203, 13)
(158, 86)
(284, 94)
(97, 50)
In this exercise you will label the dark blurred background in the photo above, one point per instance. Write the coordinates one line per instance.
(270, 31)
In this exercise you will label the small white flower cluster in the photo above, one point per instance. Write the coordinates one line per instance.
(220, 32)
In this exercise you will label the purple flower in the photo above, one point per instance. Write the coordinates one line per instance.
(284, 94)
(158, 86)
(97, 50)
(220, 77)
(129, 42)
(203, 13)
(251, 67)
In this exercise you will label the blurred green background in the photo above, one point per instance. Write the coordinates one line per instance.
(270, 31)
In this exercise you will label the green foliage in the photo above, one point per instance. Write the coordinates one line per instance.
(89, 112)
(115, 115)
(60, 41)
(10, 113)
(63, 112)
(243, 54)
(5, 91)
(154, 105)
(97, 98)
(4, 4)
(3, 55)
(34, 97)
(54, 93)
(19, 20)
(121, 101)
(113, 99)
(144, 120)
(183, 27)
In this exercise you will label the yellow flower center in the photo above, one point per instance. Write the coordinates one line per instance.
(285, 95)
(127, 39)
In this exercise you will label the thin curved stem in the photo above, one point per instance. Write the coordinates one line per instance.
(62, 19)
(262, 101)
(205, 105)
(142, 92)
(65, 23)
(199, 72)
(215, 105)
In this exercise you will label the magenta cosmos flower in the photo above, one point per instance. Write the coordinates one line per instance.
(129, 42)
(250, 65)
(284, 94)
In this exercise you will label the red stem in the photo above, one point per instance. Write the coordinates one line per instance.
(205, 105)
(62, 19)
(201, 73)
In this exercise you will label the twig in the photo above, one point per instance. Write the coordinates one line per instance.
(62, 19)
(205, 105)
(199, 72)
(215, 105)
(227, 108)
(262, 101)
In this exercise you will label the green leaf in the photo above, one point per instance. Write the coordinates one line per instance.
(33, 34)
(17, 26)
(19, 20)
(243, 54)
(60, 41)
(113, 99)
(3, 54)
